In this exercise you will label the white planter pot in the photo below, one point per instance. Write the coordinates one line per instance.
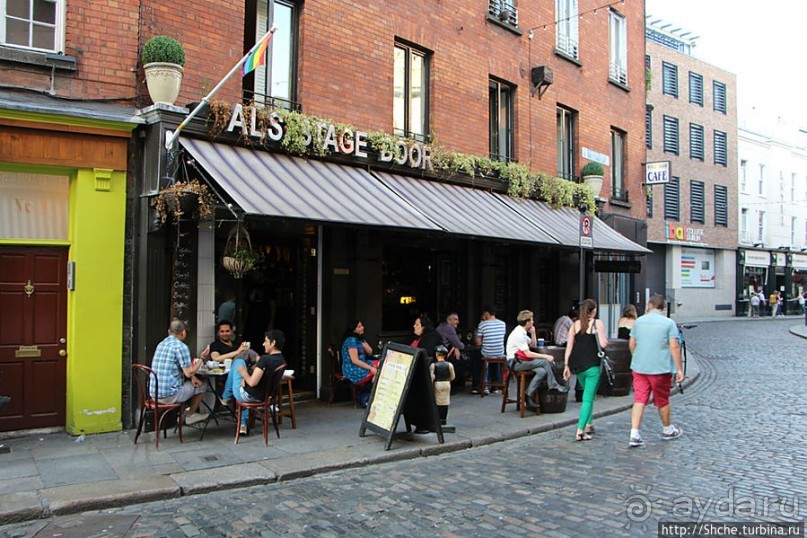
(594, 183)
(163, 81)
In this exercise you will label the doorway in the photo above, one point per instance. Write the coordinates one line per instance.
(33, 331)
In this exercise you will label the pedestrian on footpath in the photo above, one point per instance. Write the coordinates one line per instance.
(754, 312)
(582, 359)
(656, 353)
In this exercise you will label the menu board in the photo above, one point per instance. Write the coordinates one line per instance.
(402, 386)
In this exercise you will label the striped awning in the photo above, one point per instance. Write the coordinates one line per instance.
(264, 183)
(466, 211)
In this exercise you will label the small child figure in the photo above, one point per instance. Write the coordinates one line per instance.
(442, 375)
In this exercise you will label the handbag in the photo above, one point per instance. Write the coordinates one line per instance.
(606, 364)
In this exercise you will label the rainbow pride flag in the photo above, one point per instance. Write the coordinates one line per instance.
(258, 55)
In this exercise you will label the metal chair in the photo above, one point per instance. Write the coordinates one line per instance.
(146, 379)
(263, 408)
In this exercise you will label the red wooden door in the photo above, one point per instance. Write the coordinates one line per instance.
(33, 331)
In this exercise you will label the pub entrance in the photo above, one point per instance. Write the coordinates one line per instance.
(33, 332)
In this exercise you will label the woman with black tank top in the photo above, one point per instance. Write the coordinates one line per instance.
(582, 359)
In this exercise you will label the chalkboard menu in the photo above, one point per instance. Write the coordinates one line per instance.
(402, 386)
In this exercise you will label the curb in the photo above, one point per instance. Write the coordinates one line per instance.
(62, 500)
(798, 330)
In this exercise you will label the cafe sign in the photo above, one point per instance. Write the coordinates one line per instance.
(343, 141)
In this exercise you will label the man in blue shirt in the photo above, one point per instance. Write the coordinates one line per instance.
(656, 354)
(176, 375)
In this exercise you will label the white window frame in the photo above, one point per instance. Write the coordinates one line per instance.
(58, 27)
(743, 175)
(744, 225)
(761, 180)
(761, 227)
(262, 87)
(618, 71)
(566, 30)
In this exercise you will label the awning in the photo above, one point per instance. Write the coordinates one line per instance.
(466, 211)
(264, 183)
(564, 224)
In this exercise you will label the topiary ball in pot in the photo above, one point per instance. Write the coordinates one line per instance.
(164, 49)
(592, 169)
(163, 58)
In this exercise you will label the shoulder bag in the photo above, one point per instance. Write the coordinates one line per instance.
(606, 364)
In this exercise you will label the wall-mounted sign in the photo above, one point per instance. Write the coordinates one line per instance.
(617, 266)
(697, 268)
(592, 155)
(757, 258)
(34, 206)
(657, 173)
(800, 262)
(781, 259)
(683, 233)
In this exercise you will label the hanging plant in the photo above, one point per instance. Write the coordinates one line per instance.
(185, 198)
(239, 258)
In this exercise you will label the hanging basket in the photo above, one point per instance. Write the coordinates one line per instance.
(239, 258)
(185, 199)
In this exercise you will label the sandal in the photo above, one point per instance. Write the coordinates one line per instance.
(590, 430)
(583, 437)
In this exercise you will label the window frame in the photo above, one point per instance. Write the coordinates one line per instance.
(671, 138)
(618, 36)
(697, 201)
(721, 205)
(567, 32)
(672, 199)
(696, 150)
(696, 96)
(409, 50)
(761, 226)
(495, 139)
(719, 97)
(669, 79)
(648, 128)
(743, 175)
(565, 131)
(721, 149)
(743, 224)
(58, 26)
(619, 190)
(264, 74)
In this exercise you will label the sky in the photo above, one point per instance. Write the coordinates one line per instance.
(763, 43)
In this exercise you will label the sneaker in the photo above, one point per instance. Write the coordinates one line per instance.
(225, 403)
(635, 442)
(487, 392)
(474, 391)
(242, 430)
(496, 391)
(675, 434)
(195, 418)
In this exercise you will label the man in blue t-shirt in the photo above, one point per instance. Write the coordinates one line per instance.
(490, 335)
(656, 354)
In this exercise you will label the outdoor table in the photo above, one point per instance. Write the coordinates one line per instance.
(214, 379)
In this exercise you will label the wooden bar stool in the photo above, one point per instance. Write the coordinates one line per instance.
(487, 384)
(522, 380)
(281, 412)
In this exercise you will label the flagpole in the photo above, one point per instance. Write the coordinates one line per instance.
(175, 135)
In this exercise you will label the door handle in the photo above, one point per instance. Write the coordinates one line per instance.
(62, 353)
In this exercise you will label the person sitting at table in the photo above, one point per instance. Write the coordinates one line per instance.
(249, 387)
(176, 374)
(426, 337)
(358, 364)
(224, 347)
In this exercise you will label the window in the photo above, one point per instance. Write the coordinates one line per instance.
(721, 205)
(33, 24)
(672, 199)
(273, 82)
(761, 227)
(649, 202)
(504, 11)
(410, 103)
(618, 188)
(669, 82)
(618, 71)
(721, 149)
(697, 212)
(719, 91)
(761, 179)
(501, 121)
(695, 89)
(565, 125)
(793, 231)
(743, 175)
(566, 28)
(648, 128)
(696, 141)
(670, 135)
(744, 226)
(793, 187)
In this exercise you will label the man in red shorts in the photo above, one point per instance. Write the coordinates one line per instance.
(656, 354)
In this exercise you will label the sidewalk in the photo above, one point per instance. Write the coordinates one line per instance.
(54, 473)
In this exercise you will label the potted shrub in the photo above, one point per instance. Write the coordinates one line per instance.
(185, 198)
(163, 60)
(592, 174)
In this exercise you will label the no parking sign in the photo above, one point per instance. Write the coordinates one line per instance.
(586, 231)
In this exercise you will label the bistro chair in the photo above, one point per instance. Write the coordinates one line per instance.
(337, 379)
(146, 378)
(264, 408)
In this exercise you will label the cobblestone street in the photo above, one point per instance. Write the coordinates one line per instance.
(742, 458)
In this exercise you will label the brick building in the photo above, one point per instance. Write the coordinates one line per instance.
(343, 233)
(692, 220)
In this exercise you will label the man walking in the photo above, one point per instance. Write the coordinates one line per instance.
(656, 353)
(175, 373)
(518, 348)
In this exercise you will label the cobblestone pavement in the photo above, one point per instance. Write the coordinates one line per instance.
(742, 458)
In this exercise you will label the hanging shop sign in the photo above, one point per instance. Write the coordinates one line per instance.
(683, 233)
(697, 268)
(657, 173)
(334, 140)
